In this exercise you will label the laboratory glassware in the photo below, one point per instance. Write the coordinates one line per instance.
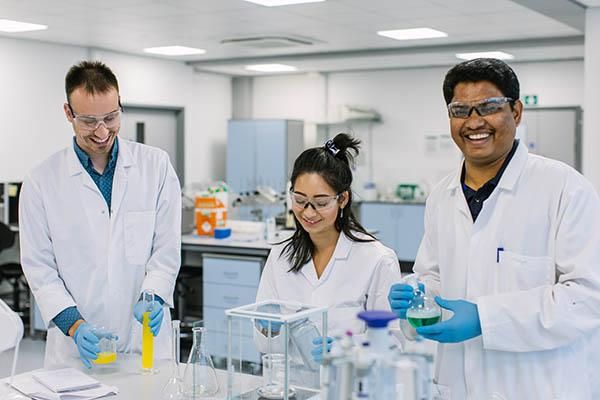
(303, 333)
(147, 336)
(273, 377)
(423, 311)
(107, 345)
(199, 377)
(173, 389)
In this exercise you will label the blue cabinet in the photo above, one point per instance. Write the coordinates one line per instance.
(399, 226)
(262, 152)
(228, 282)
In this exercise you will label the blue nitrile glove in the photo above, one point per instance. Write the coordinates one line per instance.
(87, 344)
(156, 314)
(400, 297)
(263, 325)
(317, 351)
(463, 325)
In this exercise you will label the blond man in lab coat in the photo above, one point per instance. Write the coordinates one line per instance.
(99, 223)
(512, 249)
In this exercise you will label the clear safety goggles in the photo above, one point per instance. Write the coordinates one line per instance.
(318, 203)
(91, 123)
(483, 107)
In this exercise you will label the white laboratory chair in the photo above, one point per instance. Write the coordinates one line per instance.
(12, 333)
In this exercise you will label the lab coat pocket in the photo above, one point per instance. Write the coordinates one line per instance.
(139, 233)
(518, 272)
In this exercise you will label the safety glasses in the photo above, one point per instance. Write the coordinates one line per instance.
(91, 123)
(319, 202)
(483, 107)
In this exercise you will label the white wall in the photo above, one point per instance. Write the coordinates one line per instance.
(33, 124)
(412, 107)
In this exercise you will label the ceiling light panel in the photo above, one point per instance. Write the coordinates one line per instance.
(7, 25)
(275, 3)
(174, 51)
(412, 34)
(271, 68)
(485, 54)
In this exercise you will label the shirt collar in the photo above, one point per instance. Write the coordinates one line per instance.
(494, 181)
(85, 159)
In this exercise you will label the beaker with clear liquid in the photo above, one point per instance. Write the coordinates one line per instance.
(199, 377)
(173, 389)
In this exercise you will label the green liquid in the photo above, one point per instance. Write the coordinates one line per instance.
(426, 321)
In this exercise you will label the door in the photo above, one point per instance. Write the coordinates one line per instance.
(156, 127)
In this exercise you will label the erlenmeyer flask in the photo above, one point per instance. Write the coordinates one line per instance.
(199, 378)
(173, 389)
(422, 311)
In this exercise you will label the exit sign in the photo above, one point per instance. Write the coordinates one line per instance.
(530, 100)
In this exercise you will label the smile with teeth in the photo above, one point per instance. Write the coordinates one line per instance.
(310, 222)
(99, 141)
(478, 136)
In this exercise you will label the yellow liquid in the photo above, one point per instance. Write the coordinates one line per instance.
(147, 343)
(106, 357)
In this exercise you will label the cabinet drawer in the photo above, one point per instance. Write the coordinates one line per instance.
(216, 320)
(231, 270)
(227, 296)
(216, 344)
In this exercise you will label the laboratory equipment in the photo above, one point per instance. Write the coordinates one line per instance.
(147, 336)
(288, 369)
(173, 389)
(303, 333)
(273, 377)
(107, 345)
(422, 311)
(199, 377)
(376, 369)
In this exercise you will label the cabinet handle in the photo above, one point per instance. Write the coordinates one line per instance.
(231, 299)
(231, 275)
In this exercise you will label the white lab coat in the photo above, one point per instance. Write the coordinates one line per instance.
(358, 277)
(538, 299)
(75, 253)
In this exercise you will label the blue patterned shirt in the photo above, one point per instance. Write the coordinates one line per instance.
(104, 181)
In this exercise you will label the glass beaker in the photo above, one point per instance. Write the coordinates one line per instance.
(107, 345)
(422, 311)
(199, 377)
(273, 377)
(173, 389)
(303, 333)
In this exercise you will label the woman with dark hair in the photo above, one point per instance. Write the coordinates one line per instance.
(330, 260)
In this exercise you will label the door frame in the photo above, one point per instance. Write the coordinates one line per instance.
(179, 134)
(578, 126)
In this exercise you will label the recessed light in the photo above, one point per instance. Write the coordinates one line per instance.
(412, 34)
(271, 68)
(275, 3)
(174, 51)
(500, 55)
(6, 25)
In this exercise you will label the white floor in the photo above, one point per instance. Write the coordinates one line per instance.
(31, 356)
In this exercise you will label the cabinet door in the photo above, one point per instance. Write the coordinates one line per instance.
(410, 228)
(241, 165)
(379, 217)
(271, 154)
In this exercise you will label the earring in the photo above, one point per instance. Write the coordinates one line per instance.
(341, 213)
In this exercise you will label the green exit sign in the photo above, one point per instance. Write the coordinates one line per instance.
(530, 100)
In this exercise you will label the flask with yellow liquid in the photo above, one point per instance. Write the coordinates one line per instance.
(107, 345)
(147, 336)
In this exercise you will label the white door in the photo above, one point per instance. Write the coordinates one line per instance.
(153, 127)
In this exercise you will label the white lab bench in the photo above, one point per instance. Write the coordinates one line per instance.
(133, 385)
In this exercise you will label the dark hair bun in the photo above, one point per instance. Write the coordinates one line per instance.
(348, 147)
